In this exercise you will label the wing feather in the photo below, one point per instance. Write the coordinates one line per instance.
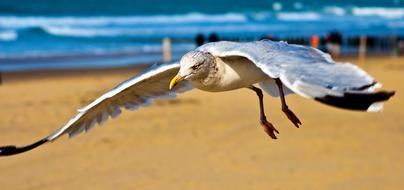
(132, 94)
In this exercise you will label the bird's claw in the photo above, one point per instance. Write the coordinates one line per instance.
(292, 117)
(269, 128)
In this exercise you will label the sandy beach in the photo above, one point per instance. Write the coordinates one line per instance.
(200, 140)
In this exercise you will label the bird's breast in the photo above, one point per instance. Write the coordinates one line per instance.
(232, 73)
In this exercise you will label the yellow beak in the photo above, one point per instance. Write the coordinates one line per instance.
(175, 81)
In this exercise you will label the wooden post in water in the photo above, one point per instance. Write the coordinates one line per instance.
(166, 50)
(362, 49)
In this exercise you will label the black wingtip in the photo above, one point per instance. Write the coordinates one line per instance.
(12, 150)
(356, 101)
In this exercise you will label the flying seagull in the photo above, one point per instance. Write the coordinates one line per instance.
(279, 69)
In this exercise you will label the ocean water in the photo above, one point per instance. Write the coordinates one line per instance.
(49, 34)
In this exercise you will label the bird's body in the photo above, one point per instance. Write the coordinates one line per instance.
(279, 68)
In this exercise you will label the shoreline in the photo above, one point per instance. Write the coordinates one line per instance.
(16, 76)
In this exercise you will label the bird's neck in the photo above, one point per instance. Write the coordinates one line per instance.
(212, 76)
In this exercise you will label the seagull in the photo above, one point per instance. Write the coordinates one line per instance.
(278, 68)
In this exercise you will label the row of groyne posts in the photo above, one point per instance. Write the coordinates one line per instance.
(333, 43)
(359, 46)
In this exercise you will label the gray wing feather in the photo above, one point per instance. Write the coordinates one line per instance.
(131, 94)
(300, 68)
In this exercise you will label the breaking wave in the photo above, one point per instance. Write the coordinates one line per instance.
(33, 21)
(8, 35)
(391, 13)
(298, 16)
(182, 24)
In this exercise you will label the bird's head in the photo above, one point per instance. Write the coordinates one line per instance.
(194, 65)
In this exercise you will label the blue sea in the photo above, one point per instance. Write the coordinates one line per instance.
(57, 34)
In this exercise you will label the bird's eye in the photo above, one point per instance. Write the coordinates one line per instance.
(194, 67)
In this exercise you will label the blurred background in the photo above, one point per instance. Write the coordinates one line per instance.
(58, 55)
(43, 34)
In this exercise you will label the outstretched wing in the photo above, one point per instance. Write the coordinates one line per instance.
(131, 94)
(308, 72)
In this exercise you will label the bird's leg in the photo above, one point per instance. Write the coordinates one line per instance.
(292, 117)
(269, 128)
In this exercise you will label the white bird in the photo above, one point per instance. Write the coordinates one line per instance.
(279, 68)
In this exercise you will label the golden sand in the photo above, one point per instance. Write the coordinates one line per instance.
(200, 140)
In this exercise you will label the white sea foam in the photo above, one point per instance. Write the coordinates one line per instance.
(339, 11)
(8, 35)
(391, 13)
(158, 32)
(298, 16)
(87, 32)
(31, 21)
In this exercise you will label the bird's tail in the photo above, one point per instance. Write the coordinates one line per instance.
(361, 101)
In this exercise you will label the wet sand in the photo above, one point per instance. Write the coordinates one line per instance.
(200, 140)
